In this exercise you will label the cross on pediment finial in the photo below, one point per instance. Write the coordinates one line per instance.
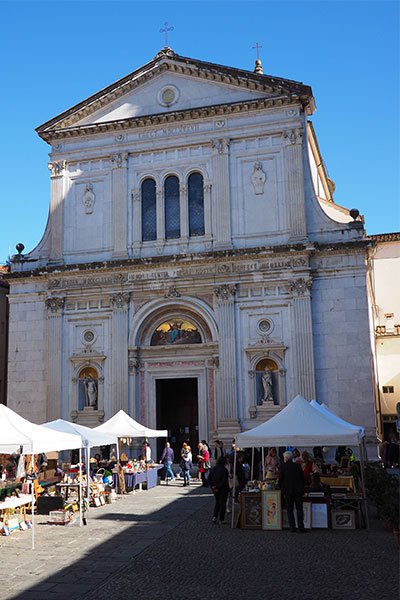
(165, 30)
(256, 48)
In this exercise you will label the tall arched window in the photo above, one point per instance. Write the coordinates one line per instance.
(172, 208)
(149, 210)
(196, 204)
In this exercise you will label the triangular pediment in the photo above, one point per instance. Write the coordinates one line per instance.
(169, 84)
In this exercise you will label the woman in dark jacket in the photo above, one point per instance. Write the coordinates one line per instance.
(219, 483)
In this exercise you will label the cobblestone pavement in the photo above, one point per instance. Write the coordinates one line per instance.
(162, 545)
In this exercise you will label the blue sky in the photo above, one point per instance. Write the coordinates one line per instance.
(55, 54)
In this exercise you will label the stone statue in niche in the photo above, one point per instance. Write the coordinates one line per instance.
(266, 381)
(90, 388)
(258, 178)
(88, 198)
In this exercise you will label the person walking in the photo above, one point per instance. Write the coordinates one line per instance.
(291, 482)
(219, 482)
(204, 463)
(167, 458)
(186, 463)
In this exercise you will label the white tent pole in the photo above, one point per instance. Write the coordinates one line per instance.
(262, 459)
(233, 489)
(80, 487)
(87, 454)
(252, 464)
(33, 502)
(364, 501)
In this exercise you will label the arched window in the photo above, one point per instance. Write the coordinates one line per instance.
(196, 204)
(172, 208)
(149, 210)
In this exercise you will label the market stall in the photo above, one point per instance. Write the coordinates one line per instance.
(17, 433)
(300, 424)
(90, 438)
(122, 425)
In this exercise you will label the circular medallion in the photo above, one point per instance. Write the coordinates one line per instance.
(264, 326)
(168, 95)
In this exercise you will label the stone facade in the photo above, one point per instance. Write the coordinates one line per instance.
(3, 338)
(276, 279)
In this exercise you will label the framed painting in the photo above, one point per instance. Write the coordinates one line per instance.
(250, 511)
(343, 519)
(271, 510)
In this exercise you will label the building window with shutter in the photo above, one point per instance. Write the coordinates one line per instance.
(149, 210)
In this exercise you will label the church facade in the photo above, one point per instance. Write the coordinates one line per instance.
(195, 270)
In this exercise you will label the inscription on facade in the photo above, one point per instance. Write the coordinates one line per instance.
(168, 131)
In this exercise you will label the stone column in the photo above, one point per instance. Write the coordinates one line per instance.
(119, 358)
(293, 142)
(221, 194)
(303, 355)
(54, 336)
(119, 199)
(56, 212)
(227, 409)
(184, 213)
(207, 210)
(137, 220)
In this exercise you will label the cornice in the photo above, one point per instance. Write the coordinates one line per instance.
(260, 252)
(385, 237)
(171, 117)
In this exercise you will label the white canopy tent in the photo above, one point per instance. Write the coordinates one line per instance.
(326, 411)
(301, 423)
(122, 425)
(17, 432)
(89, 439)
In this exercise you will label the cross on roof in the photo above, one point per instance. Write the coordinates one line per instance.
(256, 48)
(165, 30)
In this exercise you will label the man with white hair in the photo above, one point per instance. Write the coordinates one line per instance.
(291, 482)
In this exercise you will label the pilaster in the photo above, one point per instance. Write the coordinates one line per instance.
(137, 220)
(119, 198)
(221, 194)
(227, 412)
(293, 142)
(56, 212)
(303, 338)
(119, 361)
(54, 307)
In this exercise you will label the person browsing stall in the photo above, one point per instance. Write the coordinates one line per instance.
(291, 482)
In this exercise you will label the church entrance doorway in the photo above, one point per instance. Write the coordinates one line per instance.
(177, 411)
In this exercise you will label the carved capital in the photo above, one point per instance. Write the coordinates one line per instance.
(225, 293)
(220, 146)
(251, 373)
(54, 305)
(136, 195)
(119, 160)
(293, 137)
(207, 188)
(300, 287)
(56, 168)
(120, 300)
(183, 189)
(172, 293)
